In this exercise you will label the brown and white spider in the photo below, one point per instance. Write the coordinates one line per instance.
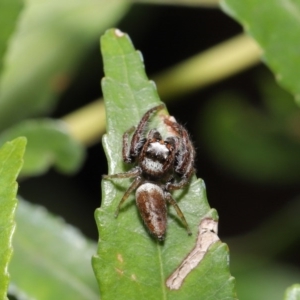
(162, 166)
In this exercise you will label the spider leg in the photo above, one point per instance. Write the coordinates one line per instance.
(178, 211)
(132, 187)
(185, 174)
(174, 142)
(126, 149)
(131, 173)
(178, 185)
(185, 156)
(185, 163)
(185, 177)
(137, 137)
(185, 150)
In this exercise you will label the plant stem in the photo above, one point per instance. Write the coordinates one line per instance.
(226, 59)
(87, 124)
(208, 67)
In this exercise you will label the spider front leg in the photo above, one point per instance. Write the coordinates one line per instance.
(135, 172)
(138, 136)
(180, 214)
(185, 158)
(186, 155)
(126, 149)
(131, 173)
(170, 186)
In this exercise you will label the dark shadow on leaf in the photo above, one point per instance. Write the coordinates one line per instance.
(176, 219)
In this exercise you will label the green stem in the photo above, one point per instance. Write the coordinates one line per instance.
(215, 64)
(226, 59)
(87, 124)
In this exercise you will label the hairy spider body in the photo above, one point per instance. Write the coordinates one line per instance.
(159, 165)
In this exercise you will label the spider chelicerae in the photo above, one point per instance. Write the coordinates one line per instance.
(162, 166)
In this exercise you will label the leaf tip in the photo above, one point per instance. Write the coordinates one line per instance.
(118, 32)
(20, 140)
(115, 32)
(213, 214)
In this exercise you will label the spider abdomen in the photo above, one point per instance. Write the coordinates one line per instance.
(151, 203)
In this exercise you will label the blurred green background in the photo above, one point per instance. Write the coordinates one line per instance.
(246, 129)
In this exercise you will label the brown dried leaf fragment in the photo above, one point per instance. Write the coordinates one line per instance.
(207, 235)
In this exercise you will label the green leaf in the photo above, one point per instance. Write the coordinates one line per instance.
(52, 260)
(9, 11)
(11, 160)
(49, 143)
(258, 145)
(130, 264)
(269, 279)
(275, 25)
(293, 292)
(51, 40)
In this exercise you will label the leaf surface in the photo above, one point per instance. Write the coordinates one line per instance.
(54, 256)
(49, 143)
(275, 25)
(9, 11)
(11, 160)
(130, 264)
(51, 39)
(248, 139)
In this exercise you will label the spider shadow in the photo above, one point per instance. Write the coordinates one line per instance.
(129, 202)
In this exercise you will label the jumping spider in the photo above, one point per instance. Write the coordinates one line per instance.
(162, 166)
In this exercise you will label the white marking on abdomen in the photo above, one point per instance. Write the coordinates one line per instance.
(148, 187)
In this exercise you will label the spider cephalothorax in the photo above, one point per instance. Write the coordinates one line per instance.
(162, 166)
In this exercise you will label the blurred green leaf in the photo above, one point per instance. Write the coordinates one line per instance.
(130, 264)
(279, 103)
(52, 260)
(293, 292)
(11, 160)
(53, 36)
(49, 143)
(259, 145)
(264, 282)
(9, 11)
(275, 25)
